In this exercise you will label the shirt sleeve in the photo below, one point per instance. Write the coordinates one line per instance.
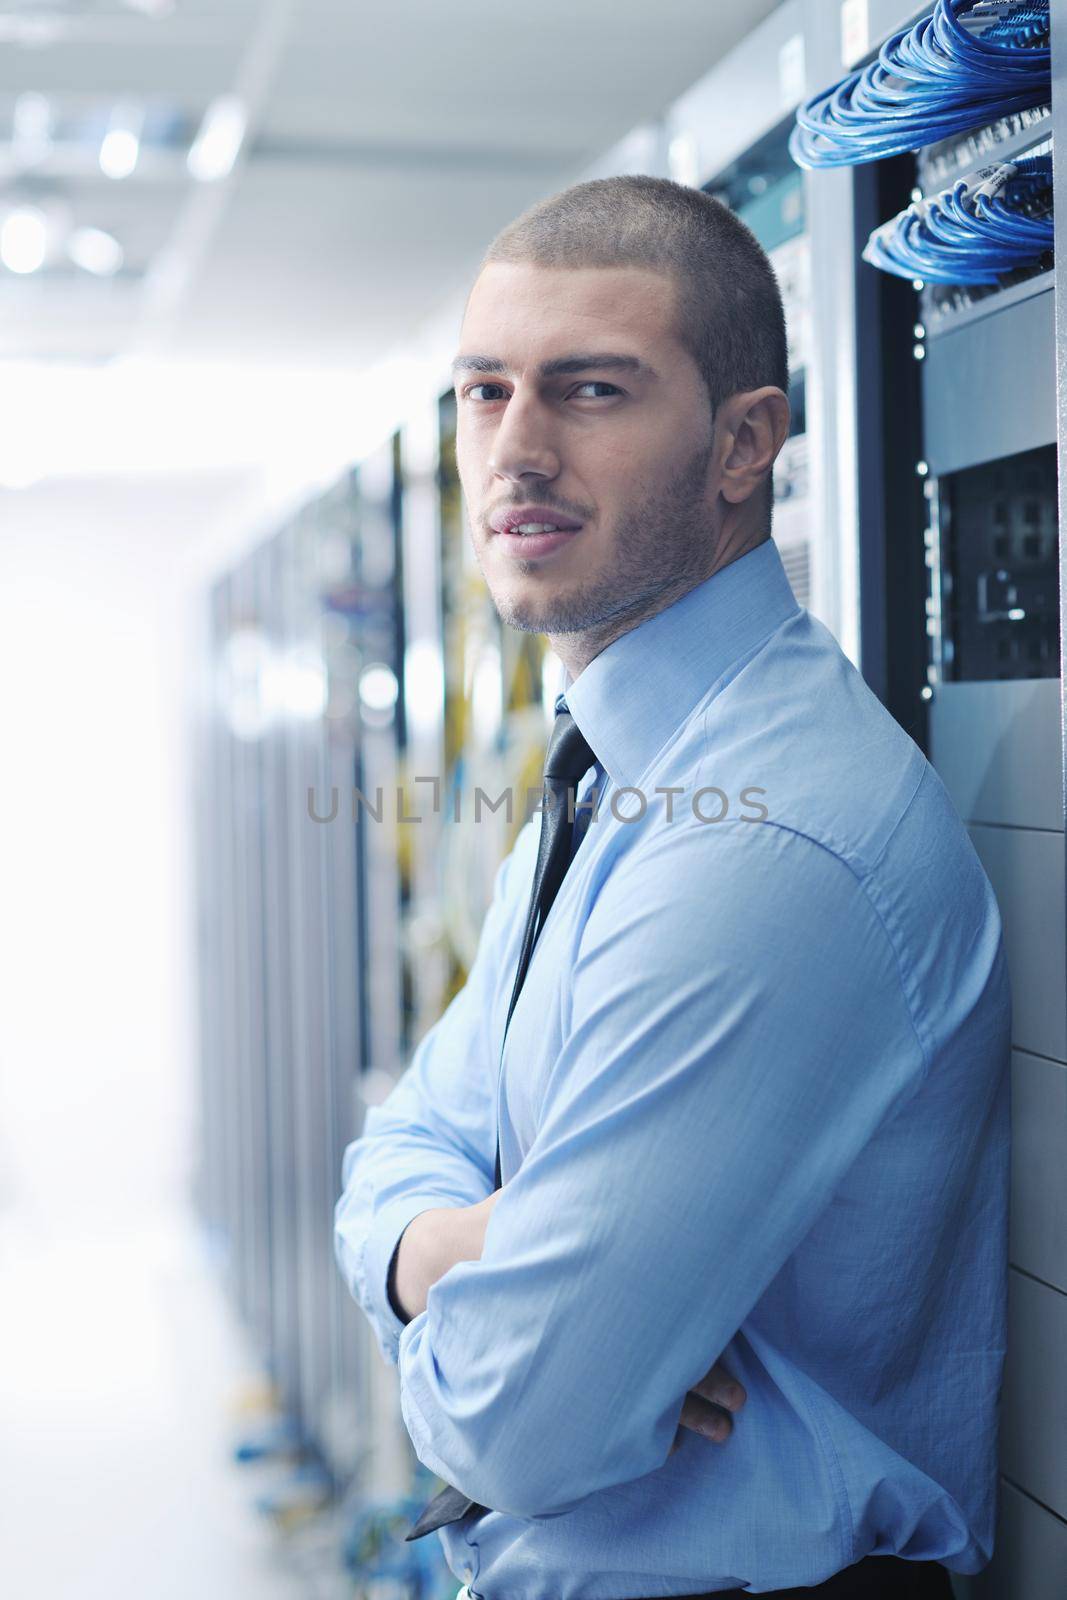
(738, 1032)
(432, 1142)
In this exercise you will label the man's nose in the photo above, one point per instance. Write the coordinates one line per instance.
(524, 441)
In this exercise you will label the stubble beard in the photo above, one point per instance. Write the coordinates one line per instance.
(663, 547)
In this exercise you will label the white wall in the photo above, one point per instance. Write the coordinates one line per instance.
(96, 1088)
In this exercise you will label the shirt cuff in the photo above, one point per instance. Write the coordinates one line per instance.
(388, 1225)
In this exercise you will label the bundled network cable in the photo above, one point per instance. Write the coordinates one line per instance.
(996, 221)
(968, 62)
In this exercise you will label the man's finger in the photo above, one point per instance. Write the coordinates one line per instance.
(718, 1386)
(705, 1418)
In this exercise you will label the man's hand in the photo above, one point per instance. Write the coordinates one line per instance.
(707, 1407)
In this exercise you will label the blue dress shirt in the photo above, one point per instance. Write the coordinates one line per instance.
(753, 1104)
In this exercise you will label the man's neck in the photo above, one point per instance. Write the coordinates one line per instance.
(577, 650)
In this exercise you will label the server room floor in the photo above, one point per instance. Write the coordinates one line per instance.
(117, 1395)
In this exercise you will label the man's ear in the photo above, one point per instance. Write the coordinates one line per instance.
(756, 423)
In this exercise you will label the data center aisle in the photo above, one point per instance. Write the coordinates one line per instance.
(120, 1376)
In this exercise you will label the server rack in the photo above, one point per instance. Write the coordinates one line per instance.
(277, 1064)
(991, 437)
(249, 1106)
(958, 430)
(291, 1002)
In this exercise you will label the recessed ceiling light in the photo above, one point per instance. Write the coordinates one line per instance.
(119, 152)
(24, 239)
(95, 251)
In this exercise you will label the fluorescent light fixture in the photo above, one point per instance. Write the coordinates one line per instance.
(95, 251)
(217, 144)
(24, 239)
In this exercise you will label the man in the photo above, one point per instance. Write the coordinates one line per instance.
(752, 1108)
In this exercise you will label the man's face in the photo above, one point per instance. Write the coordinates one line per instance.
(624, 450)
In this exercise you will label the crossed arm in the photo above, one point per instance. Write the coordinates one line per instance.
(720, 1076)
(436, 1239)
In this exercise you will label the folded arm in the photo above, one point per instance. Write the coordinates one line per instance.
(724, 1067)
(432, 1142)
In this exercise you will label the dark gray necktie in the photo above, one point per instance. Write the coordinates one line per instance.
(567, 759)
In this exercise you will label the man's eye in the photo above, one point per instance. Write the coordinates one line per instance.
(591, 383)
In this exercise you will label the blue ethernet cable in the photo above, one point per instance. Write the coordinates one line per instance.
(968, 62)
(992, 223)
(1010, 213)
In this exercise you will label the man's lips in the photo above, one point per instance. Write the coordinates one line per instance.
(528, 546)
(512, 517)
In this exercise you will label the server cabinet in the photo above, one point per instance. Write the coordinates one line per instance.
(961, 564)
(301, 633)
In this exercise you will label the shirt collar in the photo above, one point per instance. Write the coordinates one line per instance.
(632, 697)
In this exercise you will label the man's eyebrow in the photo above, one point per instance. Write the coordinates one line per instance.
(561, 366)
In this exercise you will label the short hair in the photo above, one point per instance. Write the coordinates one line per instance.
(729, 312)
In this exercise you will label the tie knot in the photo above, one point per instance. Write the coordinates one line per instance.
(568, 755)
